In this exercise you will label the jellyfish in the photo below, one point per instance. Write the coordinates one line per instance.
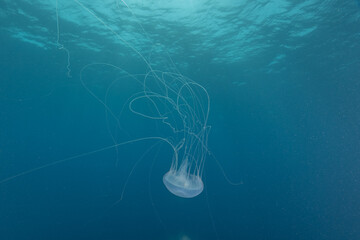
(186, 113)
(180, 104)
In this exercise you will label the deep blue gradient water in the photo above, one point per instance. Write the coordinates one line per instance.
(283, 79)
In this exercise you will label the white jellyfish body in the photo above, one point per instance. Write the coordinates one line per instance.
(183, 184)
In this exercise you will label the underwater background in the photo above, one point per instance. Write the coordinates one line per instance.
(284, 83)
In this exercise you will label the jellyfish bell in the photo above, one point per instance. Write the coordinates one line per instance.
(182, 183)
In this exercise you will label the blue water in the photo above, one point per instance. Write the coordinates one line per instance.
(283, 79)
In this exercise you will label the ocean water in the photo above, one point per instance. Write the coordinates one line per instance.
(278, 153)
